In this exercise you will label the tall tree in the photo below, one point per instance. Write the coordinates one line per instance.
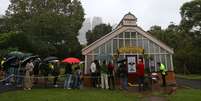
(50, 25)
(97, 32)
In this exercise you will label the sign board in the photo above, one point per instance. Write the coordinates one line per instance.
(131, 60)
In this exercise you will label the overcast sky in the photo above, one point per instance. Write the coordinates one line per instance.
(148, 12)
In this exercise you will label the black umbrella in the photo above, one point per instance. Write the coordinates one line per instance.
(50, 58)
(10, 59)
(121, 61)
(24, 61)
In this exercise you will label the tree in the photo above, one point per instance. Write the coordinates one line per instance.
(51, 26)
(97, 32)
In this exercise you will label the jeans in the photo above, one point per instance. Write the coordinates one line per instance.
(77, 81)
(67, 83)
(141, 83)
(124, 82)
(94, 79)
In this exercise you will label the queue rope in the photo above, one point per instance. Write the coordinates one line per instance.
(43, 77)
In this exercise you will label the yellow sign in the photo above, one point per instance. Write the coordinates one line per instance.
(131, 50)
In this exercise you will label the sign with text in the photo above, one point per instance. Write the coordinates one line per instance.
(131, 60)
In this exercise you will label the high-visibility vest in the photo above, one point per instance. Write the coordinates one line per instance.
(163, 69)
(2, 62)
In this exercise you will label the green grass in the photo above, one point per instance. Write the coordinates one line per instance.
(190, 76)
(68, 95)
(186, 95)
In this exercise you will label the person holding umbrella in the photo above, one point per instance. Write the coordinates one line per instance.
(68, 72)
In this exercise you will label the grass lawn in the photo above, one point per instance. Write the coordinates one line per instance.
(190, 76)
(97, 95)
(68, 95)
(186, 95)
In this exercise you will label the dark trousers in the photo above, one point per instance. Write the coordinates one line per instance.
(164, 81)
(111, 81)
(141, 83)
(94, 79)
(55, 80)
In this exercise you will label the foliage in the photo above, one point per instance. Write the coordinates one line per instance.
(49, 26)
(97, 32)
(185, 38)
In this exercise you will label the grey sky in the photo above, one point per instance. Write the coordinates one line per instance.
(148, 12)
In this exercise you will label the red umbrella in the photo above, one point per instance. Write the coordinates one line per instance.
(71, 60)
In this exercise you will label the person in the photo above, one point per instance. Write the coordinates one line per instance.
(68, 72)
(93, 74)
(123, 75)
(28, 74)
(37, 64)
(1, 67)
(98, 74)
(104, 76)
(140, 73)
(111, 75)
(163, 73)
(56, 73)
(151, 65)
(77, 77)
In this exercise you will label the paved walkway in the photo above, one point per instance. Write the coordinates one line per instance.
(196, 84)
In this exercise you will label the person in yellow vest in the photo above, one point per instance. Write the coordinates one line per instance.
(163, 71)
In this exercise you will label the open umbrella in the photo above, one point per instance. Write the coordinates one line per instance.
(50, 58)
(17, 54)
(24, 61)
(71, 60)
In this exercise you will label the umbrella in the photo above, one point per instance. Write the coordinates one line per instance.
(24, 61)
(53, 61)
(121, 61)
(50, 58)
(16, 53)
(10, 59)
(71, 60)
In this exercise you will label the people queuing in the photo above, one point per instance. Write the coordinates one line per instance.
(103, 75)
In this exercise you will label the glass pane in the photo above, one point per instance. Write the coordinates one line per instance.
(146, 45)
(157, 60)
(96, 50)
(114, 45)
(127, 34)
(151, 46)
(133, 34)
(102, 49)
(109, 47)
(168, 62)
(133, 43)
(139, 36)
(156, 48)
(121, 35)
(121, 43)
(127, 42)
(140, 43)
